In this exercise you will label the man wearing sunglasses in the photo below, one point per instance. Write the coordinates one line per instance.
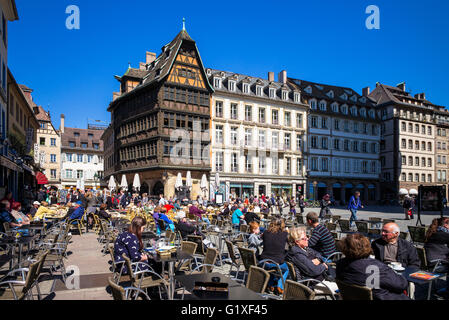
(392, 248)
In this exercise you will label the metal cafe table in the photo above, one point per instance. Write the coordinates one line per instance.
(13, 242)
(236, 290)
(171, 259)
(409, 270)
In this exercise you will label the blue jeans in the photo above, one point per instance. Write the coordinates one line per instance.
(170, 226)
(206, 220)
(353, 216)
(274, 278)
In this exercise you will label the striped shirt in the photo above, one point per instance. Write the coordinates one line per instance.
(322, 241)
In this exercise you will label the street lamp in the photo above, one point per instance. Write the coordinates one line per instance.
(96, 177)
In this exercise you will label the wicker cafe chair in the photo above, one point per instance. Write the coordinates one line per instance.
(235, 262)
(209, 262)
(300, 219)
(23, 284)
(354, 292)
(344, 225)
(362, 226)
(257, 279)
(248, 258)
(120, 293)
(144, 277)
(199, 252)
(417, 234)
(189, 248)
(297, 291)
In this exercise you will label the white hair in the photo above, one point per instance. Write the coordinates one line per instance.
(395, 227)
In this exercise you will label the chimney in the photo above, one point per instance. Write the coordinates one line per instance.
(420, 96)
(366, 91)
(271, 76)
(282, 77)
(151, 56)
(142, 66)
(61, 126)
(401, 86)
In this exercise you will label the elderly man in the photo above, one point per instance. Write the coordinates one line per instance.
(238, 216)
(392, 248)
(186, 229)
(78, 212)
(33, 210)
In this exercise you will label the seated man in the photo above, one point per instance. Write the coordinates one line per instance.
(392, 248)
(321, 239)
(187, 229)
(237, 217)
(43, 209)
(193, 209)
(34, 208)
(5, 216)
(78, 211)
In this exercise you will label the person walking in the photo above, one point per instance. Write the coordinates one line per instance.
(408, 205)
(354, 204)
(302, 203)
(324, 205)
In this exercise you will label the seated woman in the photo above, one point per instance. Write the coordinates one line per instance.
(437, 247)
(274, 244)
(307, 262)
(16, 212)
(130, 243)
(353, 269)
(5, 216)
(159, 215)
(254, 240)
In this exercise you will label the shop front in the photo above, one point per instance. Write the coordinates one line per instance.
(241, 190)
(284, 190)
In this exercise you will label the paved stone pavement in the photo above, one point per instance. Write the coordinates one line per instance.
(85, 254)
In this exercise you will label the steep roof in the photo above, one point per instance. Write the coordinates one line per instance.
(160, 68)
(42, 115)
(69, 135)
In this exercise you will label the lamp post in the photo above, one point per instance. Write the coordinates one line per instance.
(96, 177)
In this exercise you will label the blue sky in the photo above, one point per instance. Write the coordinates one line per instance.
(72, 71)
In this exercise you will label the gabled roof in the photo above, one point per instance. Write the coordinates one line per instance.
(384, 94)
(135, 73)
(160, 68)
(42, 115)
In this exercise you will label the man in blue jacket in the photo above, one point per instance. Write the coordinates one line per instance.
(78, 212)
(354, 204)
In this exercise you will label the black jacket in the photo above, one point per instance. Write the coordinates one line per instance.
(407, 254)
(274, 246)
(391, 285)
(302, 262)
(437, 247)
(251, 216)
(324, 208)
(185, 229)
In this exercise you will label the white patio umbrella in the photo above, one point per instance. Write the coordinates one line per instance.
(82, 184)
(78, 184)
(124, 183)
(217, 181)
(413, 191)
(403, 192)
(112, 185)
(189, 182)
(136, 182)
(178, 182)
(203, 184)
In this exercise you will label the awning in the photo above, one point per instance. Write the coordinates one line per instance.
(10, 164)
(41, 178)
(336, 185)
(371, 186)
(322, 185)
(349, 185)
(360, 186)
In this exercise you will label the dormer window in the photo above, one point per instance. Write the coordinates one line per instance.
(354, 98)
(271, 92)
(344, 96)
(308, 90)
(245, 88)
(323, 105)
(313, 104)
(259, 91)
(284, 95)
(344, 109)
(217, 83)
(335, 107)
(231, 86)
(297, 97)
(330, 94)
(76, 134)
